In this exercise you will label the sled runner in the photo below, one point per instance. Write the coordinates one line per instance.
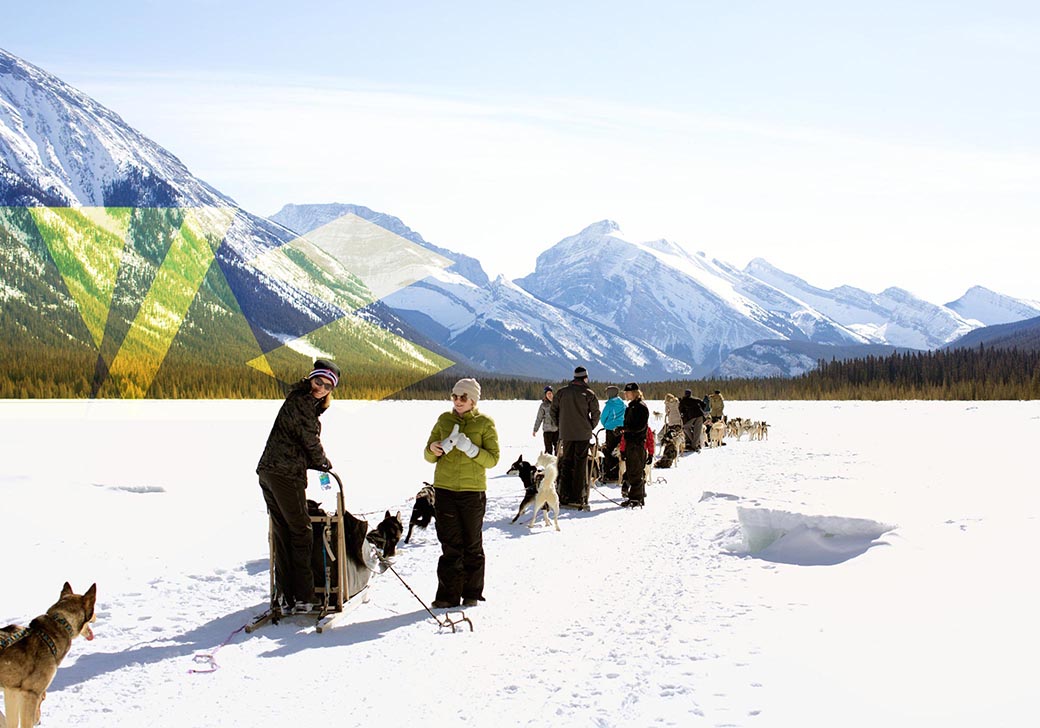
(342, 562)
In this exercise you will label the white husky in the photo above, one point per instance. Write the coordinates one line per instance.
(547, 491)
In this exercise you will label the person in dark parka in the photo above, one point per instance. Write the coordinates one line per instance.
(692, 411)
(576, 411)
(293, 448)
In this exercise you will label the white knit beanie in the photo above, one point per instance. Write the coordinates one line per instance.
(470, 387)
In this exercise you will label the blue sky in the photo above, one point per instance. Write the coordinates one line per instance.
(870, 144)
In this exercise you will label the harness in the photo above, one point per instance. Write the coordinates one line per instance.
(9, 638)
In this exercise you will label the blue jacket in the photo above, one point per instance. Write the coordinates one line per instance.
(613, 413)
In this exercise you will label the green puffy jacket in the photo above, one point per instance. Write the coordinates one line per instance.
(455, 470)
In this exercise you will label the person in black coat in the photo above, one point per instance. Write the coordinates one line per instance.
(692, 411)
(636, 418)
(293, 448)
(576, 411)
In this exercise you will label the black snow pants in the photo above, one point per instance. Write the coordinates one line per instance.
(610, 461)
(549, 439)
(291, 535)
(573, 469)
(460, 529)
(635, 470)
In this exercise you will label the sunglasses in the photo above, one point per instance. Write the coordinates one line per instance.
(460, 397)
(323, 384)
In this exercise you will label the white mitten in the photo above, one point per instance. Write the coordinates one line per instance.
(450, 442)
(466, 446)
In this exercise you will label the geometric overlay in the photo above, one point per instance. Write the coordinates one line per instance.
(381, 261)
(136, 276)
(165, 305)
(384, 261)
(88, 252)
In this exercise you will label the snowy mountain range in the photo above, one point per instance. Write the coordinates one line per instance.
(494, 324)
(678, 314)
(108, 239)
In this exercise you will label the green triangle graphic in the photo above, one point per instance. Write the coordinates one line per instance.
(86, 243)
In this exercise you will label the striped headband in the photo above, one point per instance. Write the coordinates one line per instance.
(327, 373)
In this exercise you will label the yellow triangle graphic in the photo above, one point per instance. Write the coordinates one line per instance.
(87, 245)
(262, 365)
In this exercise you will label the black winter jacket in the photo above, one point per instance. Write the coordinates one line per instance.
(636, 418)
(294, 445)
(690, 407)
(576, 411)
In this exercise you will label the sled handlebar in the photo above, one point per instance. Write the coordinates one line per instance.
(339, 481)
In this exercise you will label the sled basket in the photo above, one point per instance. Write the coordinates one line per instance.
(337, 560)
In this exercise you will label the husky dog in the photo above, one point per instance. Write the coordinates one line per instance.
(514, 469)
(387, 534)
(530, 477)
(29, 656)
(423, 510)
(717, 434)
(546, 493)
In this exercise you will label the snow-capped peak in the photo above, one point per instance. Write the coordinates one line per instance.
(603, 227)
(991, 308)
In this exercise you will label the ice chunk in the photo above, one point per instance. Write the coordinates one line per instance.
(796, 538)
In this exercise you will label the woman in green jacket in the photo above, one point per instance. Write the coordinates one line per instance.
(464, 444)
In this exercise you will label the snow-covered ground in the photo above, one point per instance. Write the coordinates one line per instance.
(893, 580)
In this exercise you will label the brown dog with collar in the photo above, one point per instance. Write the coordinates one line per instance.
(29, 656)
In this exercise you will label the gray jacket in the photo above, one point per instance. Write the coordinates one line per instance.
(544, 418)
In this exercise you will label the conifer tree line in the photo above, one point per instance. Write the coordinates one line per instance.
(959, 374)
(962, 374)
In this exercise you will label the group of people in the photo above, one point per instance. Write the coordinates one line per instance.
(462, 445)
(568, 419)
(694, 412)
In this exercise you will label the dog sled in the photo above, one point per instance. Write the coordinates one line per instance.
(342, 561)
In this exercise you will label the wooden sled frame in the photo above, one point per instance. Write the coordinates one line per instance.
(351, 580)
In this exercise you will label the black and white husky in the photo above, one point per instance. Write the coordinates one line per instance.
(546, 494)
(530, 477)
